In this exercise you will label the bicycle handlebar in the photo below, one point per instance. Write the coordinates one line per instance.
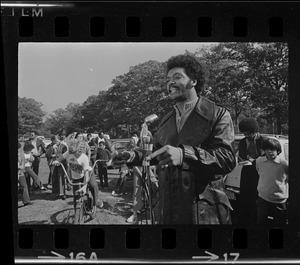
(96, 161)
(79, 183)
(68, 178)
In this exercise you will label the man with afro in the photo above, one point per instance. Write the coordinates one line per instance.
(192, 150)
(250, 148)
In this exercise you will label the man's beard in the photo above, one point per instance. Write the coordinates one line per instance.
(182, 98)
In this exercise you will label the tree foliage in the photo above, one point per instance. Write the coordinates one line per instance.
(30, 115)
(249, 79)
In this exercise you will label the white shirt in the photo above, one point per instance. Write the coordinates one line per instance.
(78, 165)
(34, 150)
(27, 163)
(181, 117)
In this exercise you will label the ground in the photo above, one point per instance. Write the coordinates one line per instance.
(46, 210)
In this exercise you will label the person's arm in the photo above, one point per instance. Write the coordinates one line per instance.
(286, 169)
(31, 158)
(85, 167)
(69, 138)
(107, 144)
(215, 155)
(109, 154)
(96, 146)
(42, 147)
(60, 158)
(88, 150)
(21, 163)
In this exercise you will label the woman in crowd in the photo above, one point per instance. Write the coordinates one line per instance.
(28, 165)
(58, 177)
(21, 176)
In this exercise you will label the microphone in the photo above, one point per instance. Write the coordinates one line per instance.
(151, 118)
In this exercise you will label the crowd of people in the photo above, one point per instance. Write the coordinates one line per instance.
(75, 155)
(192, 152)
(264, 177)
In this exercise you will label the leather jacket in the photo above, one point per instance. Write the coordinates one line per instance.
(193, 193)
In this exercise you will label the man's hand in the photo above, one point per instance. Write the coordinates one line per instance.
(167, 156)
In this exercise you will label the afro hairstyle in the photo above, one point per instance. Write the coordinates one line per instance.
(193, 69)
(248, 125)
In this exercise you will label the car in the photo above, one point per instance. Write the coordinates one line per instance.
(232, 180)
(95, 135)
(118, 145)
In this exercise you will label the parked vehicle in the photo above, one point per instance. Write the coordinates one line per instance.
(95, 135)
(118, 145)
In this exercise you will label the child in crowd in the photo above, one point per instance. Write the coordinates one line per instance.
(79, 166)
(21, 176)
(28, 165)
(272, 184)
(105, 155)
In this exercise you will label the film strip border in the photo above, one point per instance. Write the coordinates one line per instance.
(153, 22)
(192, 243)
(148, 21)
(133, 27)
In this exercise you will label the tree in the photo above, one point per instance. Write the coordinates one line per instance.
(68, 119)
(30, 115)
(249, 79)
(137, 94)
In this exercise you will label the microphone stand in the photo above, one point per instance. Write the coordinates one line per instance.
(147, 149)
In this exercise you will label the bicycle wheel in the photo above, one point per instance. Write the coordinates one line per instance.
(79, 212)
(92, 208)
(146, 212)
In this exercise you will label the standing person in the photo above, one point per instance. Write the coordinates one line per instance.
(93, 148)
(101, 138)
(124, 170)
(272, 184)
(21, 176)
(249, 149)
(38, 150)
(103, 154)
(58, 176)
(51, 151)
(62, 137)
(29, 159)
(193, 147)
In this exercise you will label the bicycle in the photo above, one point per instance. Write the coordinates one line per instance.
(84, 204)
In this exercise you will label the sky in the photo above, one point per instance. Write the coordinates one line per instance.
(56, 74)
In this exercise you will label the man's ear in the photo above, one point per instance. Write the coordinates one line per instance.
(194, 82)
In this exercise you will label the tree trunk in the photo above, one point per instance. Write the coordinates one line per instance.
(279, 127)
